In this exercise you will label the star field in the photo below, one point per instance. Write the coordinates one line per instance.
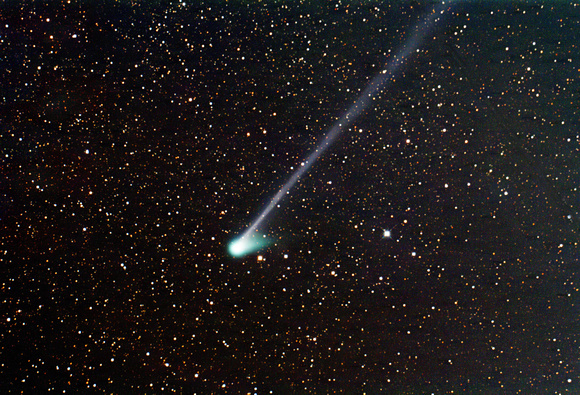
(432, 249)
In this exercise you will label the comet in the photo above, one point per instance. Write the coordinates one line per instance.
(250, 240)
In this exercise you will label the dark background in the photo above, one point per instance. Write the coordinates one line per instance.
(137, 140)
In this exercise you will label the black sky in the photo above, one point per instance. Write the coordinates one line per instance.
(137, 140)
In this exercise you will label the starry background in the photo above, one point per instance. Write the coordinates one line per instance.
(138, 139)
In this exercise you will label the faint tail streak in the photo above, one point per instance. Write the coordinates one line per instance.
(250, 242)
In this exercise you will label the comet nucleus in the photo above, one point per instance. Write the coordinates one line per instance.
(247, 244)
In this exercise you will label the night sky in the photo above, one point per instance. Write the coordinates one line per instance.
(434, 248)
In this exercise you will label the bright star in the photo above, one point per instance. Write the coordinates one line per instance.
(387, 234)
